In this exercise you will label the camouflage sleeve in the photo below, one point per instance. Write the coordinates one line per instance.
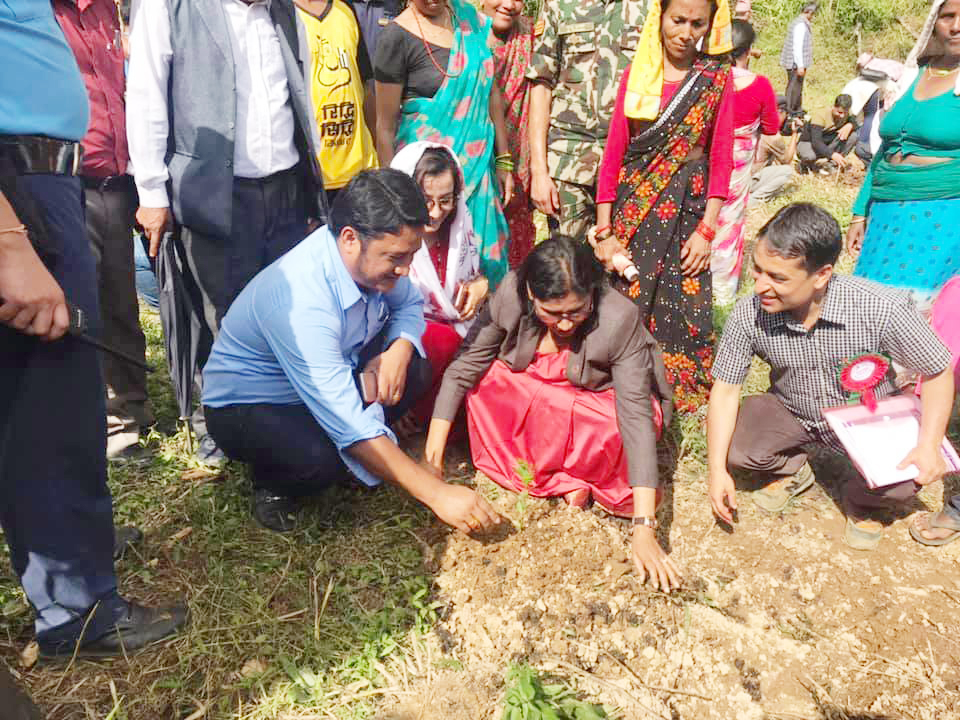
(545, 59)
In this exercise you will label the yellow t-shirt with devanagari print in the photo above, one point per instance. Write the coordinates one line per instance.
(345, 143)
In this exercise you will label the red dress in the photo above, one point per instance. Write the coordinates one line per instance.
(440, 342)
(567, 435)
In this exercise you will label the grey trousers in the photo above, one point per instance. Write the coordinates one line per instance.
(109, 216)
(769, 439)
(794, 91)
(768, 181)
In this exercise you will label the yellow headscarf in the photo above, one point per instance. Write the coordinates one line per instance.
(645, 85)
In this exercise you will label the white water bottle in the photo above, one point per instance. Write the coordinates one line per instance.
(625, 267)
(621, 261)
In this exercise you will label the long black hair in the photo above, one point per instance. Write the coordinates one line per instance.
(556, 267)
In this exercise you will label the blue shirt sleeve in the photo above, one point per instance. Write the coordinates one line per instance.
(406, 315)
(312, 359)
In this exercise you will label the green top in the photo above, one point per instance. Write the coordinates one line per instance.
(926, 128)
(580, 51)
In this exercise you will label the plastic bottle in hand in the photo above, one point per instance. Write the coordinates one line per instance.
(621, 261)
(625, 267)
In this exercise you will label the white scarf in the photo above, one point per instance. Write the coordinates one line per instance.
(924, 48)
(463, 257)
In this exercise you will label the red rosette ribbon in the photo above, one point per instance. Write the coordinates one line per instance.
(861, 375)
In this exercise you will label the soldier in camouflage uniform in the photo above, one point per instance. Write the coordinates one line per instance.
(582, 49)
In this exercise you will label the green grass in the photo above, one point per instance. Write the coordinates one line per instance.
(278, 623)
(836, 42)
(527, 697)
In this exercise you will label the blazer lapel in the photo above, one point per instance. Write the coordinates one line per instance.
(212, 14)
(528, 335)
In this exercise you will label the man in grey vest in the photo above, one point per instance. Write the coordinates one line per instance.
(797, 55)
(219, 126)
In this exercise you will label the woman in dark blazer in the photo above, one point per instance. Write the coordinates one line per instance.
(566, 394)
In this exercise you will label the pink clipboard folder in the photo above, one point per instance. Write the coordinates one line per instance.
(878, 441)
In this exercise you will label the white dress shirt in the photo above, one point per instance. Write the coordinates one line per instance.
(264, 130)
(799, 38)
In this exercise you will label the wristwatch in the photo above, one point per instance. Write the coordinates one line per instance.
(646, 521)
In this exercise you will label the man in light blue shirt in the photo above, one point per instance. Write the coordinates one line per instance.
(282, 387)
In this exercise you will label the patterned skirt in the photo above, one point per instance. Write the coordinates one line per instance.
(912, 244)
(678, 309)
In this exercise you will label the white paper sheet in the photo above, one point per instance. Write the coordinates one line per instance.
(881, 445)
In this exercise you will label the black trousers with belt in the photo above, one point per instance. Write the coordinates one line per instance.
(55, 507)
(110, 207)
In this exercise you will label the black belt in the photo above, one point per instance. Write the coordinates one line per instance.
(108, 184)
(269, 179)
(36, 154)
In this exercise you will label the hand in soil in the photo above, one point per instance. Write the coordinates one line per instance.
(723, 496)
(650, 560)
(464, 509)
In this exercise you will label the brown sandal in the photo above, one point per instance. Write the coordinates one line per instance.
(930, 521)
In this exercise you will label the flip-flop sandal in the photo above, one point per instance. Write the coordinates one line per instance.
(858, 538)
(931, 524)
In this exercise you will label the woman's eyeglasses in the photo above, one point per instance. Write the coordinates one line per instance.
(578, 315)
(445, 203)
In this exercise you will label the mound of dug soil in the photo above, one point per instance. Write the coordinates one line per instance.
(779, 619)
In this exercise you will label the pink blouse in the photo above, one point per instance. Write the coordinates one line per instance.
(720, 143)
(756, 100)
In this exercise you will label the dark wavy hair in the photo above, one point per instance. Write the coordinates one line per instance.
(377, 202)
(558, 266)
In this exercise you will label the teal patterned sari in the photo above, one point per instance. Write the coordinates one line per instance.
(458, 116)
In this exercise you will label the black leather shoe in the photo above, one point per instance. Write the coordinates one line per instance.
(124, 538)
(275, 512)
(134, 630)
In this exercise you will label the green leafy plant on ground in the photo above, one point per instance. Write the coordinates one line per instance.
(528, 698)
(525, 473)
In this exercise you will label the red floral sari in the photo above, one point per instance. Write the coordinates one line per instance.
(511, 59)
(660, 199)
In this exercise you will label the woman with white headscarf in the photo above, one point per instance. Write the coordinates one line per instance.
(446, 267)
(906, 219)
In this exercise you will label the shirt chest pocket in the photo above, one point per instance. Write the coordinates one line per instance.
(629, 39)
(579, 51)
